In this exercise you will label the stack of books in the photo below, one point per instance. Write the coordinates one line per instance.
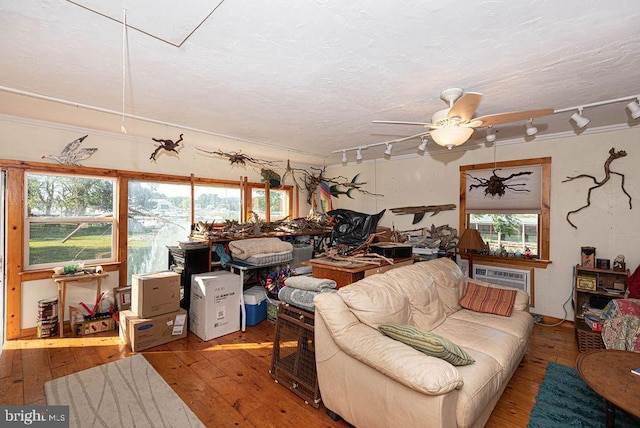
(592, 317)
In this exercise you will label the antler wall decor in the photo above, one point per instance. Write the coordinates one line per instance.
(613, 155)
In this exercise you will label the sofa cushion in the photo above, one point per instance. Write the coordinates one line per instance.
(489, 300)
(519, 324)
(522, 298)
(428, 343)
(448, 279)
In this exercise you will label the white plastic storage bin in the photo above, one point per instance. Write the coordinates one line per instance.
(215, 304)
(255, 303)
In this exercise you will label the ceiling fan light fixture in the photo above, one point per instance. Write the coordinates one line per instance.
(387, 151)
(491, 135)
(579, 119)
(634, 108)
(423, 145)
(344, 156)
(531, 130)
(450, 137)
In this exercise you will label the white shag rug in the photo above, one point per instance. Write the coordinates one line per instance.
(125, 393)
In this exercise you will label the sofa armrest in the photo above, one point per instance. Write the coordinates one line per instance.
(396, 360)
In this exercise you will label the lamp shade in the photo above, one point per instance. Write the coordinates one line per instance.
(451, 136)
(471, 240)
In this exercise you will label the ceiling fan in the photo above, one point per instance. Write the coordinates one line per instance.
(454, 125)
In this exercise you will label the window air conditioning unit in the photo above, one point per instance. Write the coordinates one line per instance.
(514, 278)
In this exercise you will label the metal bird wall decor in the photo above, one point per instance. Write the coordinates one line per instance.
(72, 154)
(613, 155)
(167, 145)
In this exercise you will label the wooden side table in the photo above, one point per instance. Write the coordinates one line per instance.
(62, 280)
(608, 373)
(350, 273)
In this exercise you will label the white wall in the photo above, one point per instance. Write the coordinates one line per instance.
(28, 140)
(608, 224)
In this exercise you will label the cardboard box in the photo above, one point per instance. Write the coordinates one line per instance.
(155, 294)
(144, 333)
(215, 304)
(255, 305)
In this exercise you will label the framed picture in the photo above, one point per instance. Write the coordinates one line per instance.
(584, 282)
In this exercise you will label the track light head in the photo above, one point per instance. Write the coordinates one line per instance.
(344, 156)
(579, 119)
(491, 135)
(359, 154)
(531, 130)
(634, 109)
(423, 145)
(387, 151)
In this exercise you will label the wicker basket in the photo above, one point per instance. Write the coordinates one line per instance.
(589, 340)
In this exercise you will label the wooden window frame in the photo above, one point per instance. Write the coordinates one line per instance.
(544, 219)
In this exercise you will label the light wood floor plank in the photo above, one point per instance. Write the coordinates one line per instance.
(226, 381)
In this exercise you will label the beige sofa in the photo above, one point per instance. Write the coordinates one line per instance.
(371, 380)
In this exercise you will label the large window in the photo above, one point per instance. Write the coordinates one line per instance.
(278, 203)
(159, 215)
(69, 219)
(512, 215)
(216, 204)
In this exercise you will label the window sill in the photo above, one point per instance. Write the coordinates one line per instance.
(535, 263)
(33, 275)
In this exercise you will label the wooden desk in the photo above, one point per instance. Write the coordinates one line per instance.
(62, 280)
(350, 273)
(608, 373)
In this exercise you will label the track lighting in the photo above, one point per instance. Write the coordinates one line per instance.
(359, 154)
(387, 151)
(344, 156)
(491, 135)
(530, 129)
(579, 119)
(634, 108)
(423, 145)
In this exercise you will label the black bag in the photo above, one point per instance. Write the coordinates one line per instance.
(353, 228)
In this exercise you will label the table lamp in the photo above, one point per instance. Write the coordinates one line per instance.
(471, 241)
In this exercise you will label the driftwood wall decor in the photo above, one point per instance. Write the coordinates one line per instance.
(613, 155)
(497, 185)
(237, 158)
(419, 212)
(167, 145)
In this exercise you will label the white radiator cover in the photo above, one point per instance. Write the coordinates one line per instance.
(508, 277)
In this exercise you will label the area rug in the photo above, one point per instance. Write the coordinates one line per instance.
(125, 393)
(565, 400)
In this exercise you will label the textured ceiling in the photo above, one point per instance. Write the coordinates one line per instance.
(310, 76)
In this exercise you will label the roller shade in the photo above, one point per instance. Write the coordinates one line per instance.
(526, 198)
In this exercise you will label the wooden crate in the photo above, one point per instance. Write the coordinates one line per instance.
(293, 362)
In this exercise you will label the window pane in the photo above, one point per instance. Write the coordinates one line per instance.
(159, 215)
(279, 207)
(509, 234)
(67, 196)
(217, 204)
(69, 219)
(258, 203)
(67, 242)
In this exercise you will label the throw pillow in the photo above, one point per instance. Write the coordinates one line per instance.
(428, 343)
(490, 300)
(633, 284)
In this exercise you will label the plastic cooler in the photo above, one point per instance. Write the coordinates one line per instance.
(255, 303)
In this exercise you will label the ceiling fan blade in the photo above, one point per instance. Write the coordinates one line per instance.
(395, 122)
(410, 137)
(466, 106)
(515, 116)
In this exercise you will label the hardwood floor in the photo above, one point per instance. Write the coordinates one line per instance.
(226, 381)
